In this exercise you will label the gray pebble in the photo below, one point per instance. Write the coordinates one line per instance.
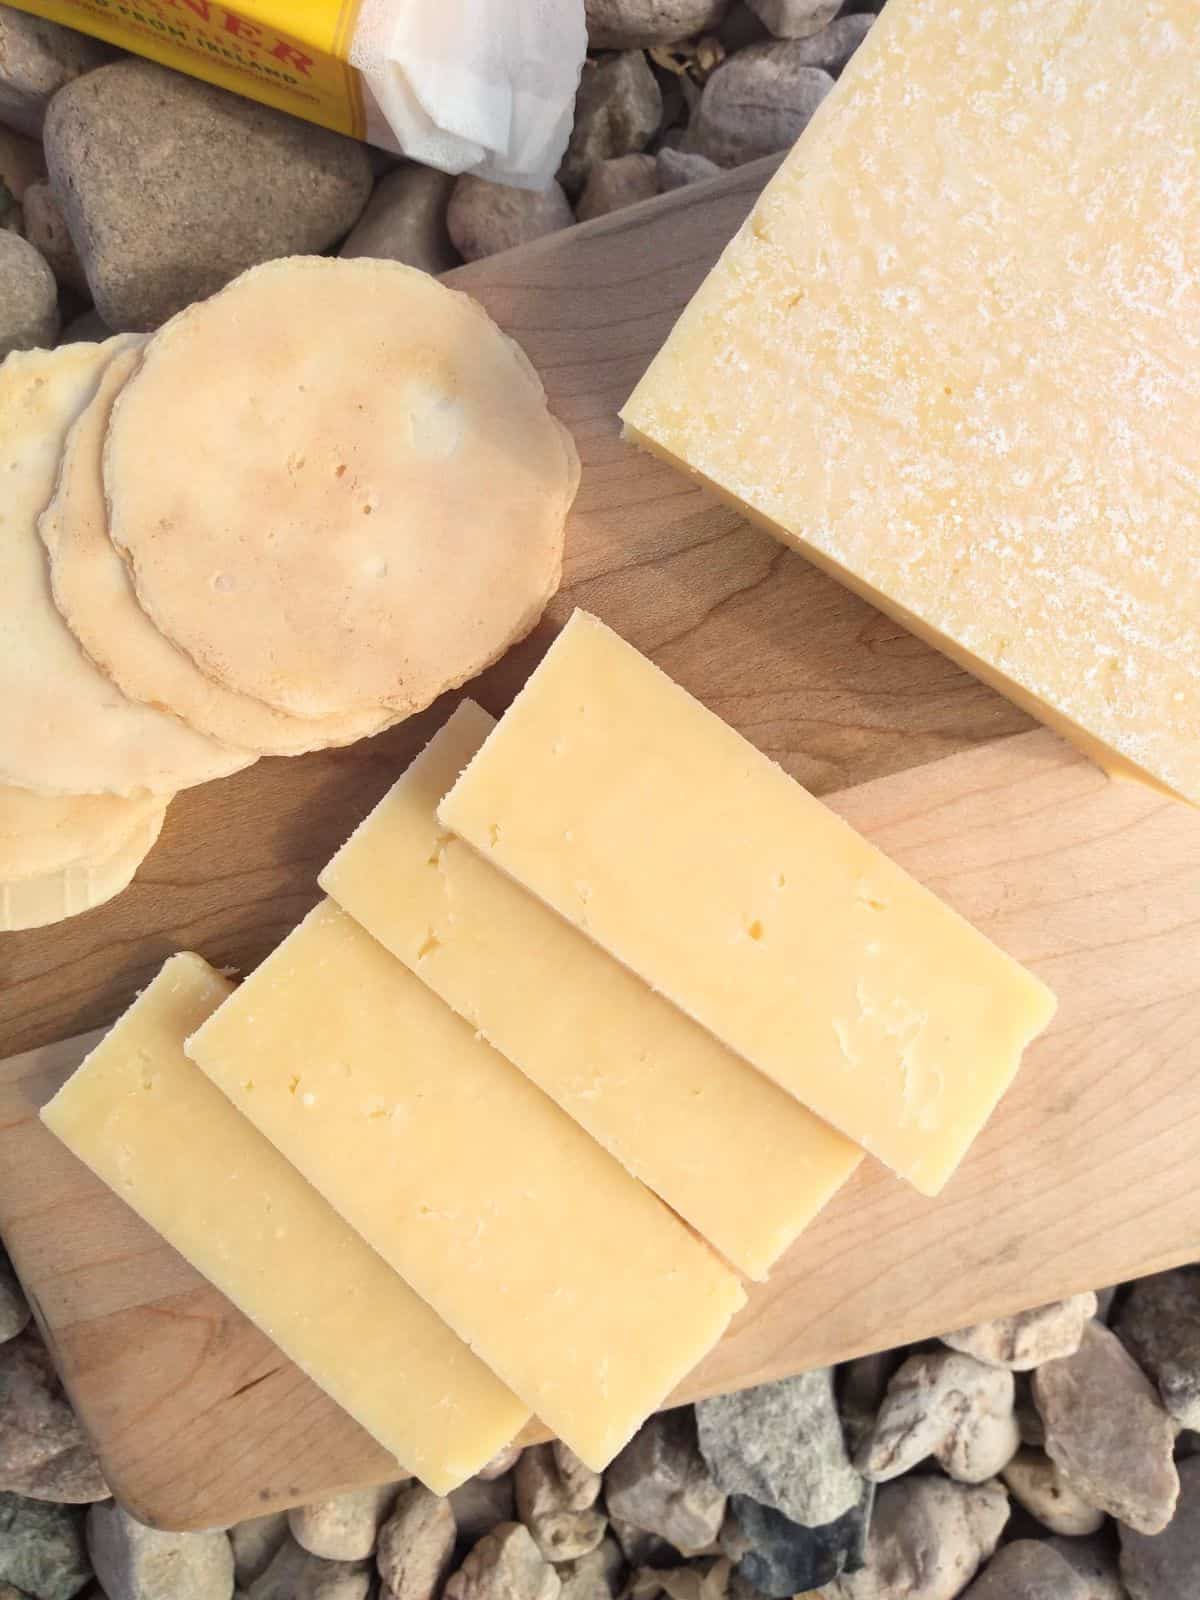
(795, 19)
(42, 1548)
(1027, 1339)
(36, 59)
(564, 1524)
(46, 229)
(89, 326)
(296, 1575)
(44, 1453)
(598, 1575)
(21, 163)
(485, 218)
(678, 168)
(660, 1482)
(949, 1406)
(928, 1539)
(171, 187)
(1167, 1566)
(28, 321)
(503, 1461)
(1028, 1569)
(756, 104)
(416, 1544)
(614, 184)
(832, 48)
(1159, 1324)
(506, 1565)
(405, 220)
(618, 110)
(637, 24)
(134, 1562)
(255, 1543)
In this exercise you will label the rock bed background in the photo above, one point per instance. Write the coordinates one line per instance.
(1050, 1456)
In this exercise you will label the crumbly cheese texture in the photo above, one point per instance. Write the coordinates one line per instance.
(953, 356)
(729, 1151)
(568, 1277)
(642, 818)
(150, 1125)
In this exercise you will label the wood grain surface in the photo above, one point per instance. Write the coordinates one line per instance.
(1084, 1176)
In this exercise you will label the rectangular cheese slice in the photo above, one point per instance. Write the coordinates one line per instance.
(643, 819)
(150, 1125)
(953, 356)
(727, 1149)
(572, 1281)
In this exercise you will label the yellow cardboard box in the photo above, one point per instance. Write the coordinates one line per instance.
(291, 54)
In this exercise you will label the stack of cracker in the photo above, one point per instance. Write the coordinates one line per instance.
(292, 517)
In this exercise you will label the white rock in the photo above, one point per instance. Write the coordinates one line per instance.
(343, 1528)
(660, 1483)
(416, 1544)
(28, 297)
(296, 1575)
(1036, 1483)
(948, 1406)
(549, 1505)
(928, 1539)
(134, 1562)
(506, 1565)
(1025, 1340)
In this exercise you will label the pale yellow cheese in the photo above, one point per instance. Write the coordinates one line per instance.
(572, 1281)
(643, 819)
(953, 356)
(727, 1149)
(152, 1127)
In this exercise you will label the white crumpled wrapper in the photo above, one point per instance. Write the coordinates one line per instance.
(482, 86)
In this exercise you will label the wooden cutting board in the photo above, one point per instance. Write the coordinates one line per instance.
(1086, 1173)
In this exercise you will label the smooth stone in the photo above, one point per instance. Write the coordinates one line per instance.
(1167, 1565)
(42, 1548)
(416, 1544)
(1036, 1482)
(28, 312)
(598, 1575)
(44, 1453)
(1095, 1560)
(948, 1406)
(36, 59)
(14, 1308)
(756, 104)
(296, 1575)
(503, 1461)
(46, 229)
(345, 1527)
(485, 218)
(581, 1486)
(1108, 1431)
(832, 48)
(618, 110)
(660, 1482)
(171, 187)
(639, 24)
(255, 1543)
(1028, 1569)
(22, 162)
(1159, 1324)
(782, 1445)
(405, 220)
(562, 1529)
(678, 168)
(134, 1562)
(481, 1504)
(613, 185)
(786, 1558)
(929, 1537)
(795, 19)
(1026, 1340)
(506, 1565)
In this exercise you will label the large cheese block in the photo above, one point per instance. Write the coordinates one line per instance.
(650, 824)
(730, 1152)
(152, 1127)
(569, 1278)
(953, 356)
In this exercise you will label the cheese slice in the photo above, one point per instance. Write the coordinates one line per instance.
(729, 1151)
(953, 356)
(571, 1280)
(152, 1127)
(643, 819)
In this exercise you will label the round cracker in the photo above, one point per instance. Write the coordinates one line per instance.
(64, 728)
(41, 833)
(94, 592)
(81, 886)
(376, 491)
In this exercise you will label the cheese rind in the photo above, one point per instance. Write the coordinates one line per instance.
(959, 367)
(730, 1152)
(150, 1125)
(639, 816)
(571, 1280)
